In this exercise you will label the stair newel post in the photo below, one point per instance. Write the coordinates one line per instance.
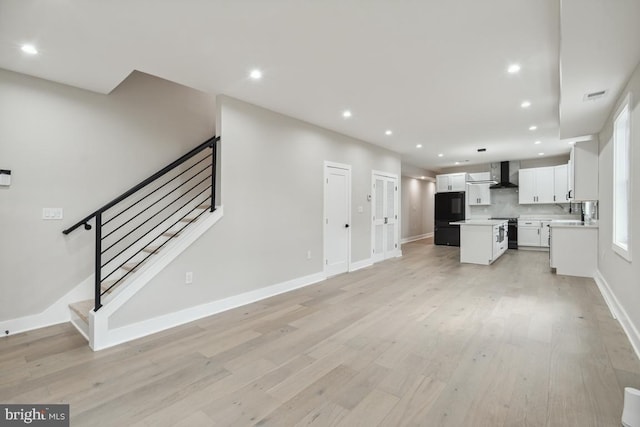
(98, 261)
(214, 147)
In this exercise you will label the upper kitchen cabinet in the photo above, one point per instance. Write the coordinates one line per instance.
(479, 194)
(583, 171)
(536, 185)
(561, 184)
(451, 182)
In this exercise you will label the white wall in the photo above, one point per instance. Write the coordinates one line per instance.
(623, 277)
(77, 150)
(272, 192)
(417, 207)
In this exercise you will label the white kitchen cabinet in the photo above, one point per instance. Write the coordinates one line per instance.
(483, 242)
(583, 171)
(451, 182)
(529, 233)
(479, 194)
(544, 233)
(536, 185)
(561, 184)
(544, 185)
(526, 186)
(574, 250)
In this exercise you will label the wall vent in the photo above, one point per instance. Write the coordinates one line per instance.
(594, 95)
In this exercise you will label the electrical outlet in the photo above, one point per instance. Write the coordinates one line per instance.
(308, 254)
(188, 278)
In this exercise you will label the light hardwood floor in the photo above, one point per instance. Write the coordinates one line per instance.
(420, 340)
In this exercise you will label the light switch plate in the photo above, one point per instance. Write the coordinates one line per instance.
(52, 213)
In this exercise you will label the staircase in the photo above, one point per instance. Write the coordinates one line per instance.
(143, 225)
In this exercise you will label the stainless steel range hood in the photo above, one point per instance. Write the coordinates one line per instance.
(506, 173)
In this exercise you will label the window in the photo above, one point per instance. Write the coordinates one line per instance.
(621, 180)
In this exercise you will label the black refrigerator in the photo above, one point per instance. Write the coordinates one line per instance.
(449, 207)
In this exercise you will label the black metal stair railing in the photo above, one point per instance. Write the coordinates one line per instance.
(146, 217)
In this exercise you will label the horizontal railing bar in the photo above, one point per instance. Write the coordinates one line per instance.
(210, 143)
(152, 253)
(154, 203)
(153, 216)
(157, 189)
(143, 236)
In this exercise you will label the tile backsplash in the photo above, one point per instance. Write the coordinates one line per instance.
(504, 204)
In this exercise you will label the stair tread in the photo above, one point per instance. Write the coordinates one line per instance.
(170, 233)
(107, 284)
(82, 309)
(152, 249)
(189, 219)
(131, 266)
(204, 206)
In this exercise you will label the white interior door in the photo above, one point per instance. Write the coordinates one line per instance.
(337, 221)
(385, 217)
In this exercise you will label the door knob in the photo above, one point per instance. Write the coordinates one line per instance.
(346, 226)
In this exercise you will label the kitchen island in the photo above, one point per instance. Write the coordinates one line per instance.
(482, 241)
(574, 248)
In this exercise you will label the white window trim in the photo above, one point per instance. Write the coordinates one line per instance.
(624, 252)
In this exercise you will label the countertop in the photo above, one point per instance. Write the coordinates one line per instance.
(571, 224)
(480, 222)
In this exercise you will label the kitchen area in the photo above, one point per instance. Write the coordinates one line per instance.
(525, 206)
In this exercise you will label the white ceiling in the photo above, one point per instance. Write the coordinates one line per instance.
(432, 71)
(600, 48)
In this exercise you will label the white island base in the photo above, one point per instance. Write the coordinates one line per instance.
(480, 241)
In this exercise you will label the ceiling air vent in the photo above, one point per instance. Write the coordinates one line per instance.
(594, 95)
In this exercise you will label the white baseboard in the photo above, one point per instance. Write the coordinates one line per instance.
(533, 248)
(414, 238)
(127, 333)
(56, 313)
(618, 312)
(358, 265)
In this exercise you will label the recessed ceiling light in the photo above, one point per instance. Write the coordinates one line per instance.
(418, 145)
(388, 132)
(534, 127)
(540, 154)
(457, 163)
(440, 155)
(513, 68)
(422, 177)
(346, 114)
(525, 104)
(572, 143)
(255, 74)
(538, 142)
(29, 48)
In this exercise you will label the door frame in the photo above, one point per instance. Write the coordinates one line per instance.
(398, 251)
(327, 165)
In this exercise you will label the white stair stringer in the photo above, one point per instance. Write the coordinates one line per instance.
(98, 322)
